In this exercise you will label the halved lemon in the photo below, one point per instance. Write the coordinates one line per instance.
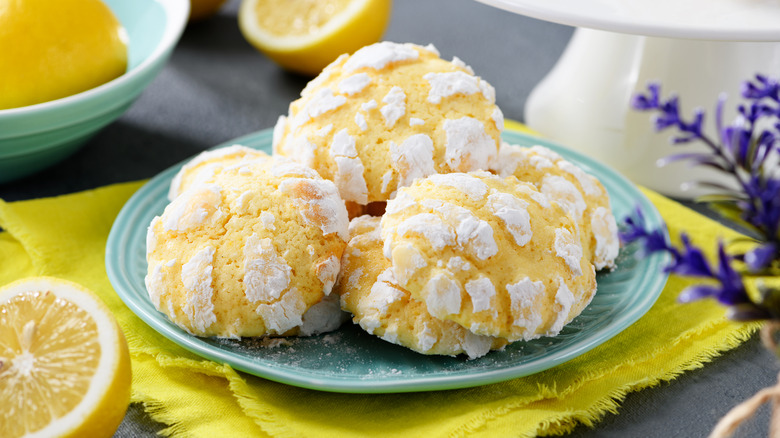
(64, 362)
(304, 36)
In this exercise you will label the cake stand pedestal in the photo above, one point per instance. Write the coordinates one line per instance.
(619, 47)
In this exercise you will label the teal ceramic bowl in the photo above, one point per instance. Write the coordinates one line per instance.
(37, 136)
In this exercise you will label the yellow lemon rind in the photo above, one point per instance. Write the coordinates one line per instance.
(104, 406)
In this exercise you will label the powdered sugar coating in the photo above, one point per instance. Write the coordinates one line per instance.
(154, 284)
(605, 232)
(285, 314)
(514, 213)
(378, 56)
(343, 145)
(266, 274)
(327, 271)
(395, 106)
(564, 299)
(323, 102)
(196, 278)
(383, 294)
(565, 193)
(193, 208)
(409, 260)
(444, 85)
(589, 185)
(457, 62)
(368, 106)
(349, 168)
(324, 131)
(319, 204)
(473, 235)
(413, 158)
(498, 118)
(354, 84)
(285, 169)
(442, 296)
(435, 230)
(278, 132)
(360, 121)
(431, 48)
(267, 219)
(323, 317)
(303, 148)
(471, 186)
(481, 291)
(468, 147)
(524, 296)
(457, 263)
(401, 202)
(204, 166)
(568, 248)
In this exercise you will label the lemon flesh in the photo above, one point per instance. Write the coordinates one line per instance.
(306, 35)
(51, 49)
(64, 362)
(301, 18)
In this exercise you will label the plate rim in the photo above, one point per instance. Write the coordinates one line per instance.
(115, 260)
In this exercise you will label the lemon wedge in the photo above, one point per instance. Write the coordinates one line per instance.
(304, 36)
(64, 362)
(52, 49)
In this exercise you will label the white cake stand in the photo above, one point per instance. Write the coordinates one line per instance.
(695, 48)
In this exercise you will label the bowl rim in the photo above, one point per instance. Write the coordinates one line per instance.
(176, 16)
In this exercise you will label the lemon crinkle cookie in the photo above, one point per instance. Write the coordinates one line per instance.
(493, 254)
(387, 115)
(251, 250)
(580, 193)
(382, 307)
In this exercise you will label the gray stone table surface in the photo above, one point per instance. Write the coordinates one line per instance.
(216, 87)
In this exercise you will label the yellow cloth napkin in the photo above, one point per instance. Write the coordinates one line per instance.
(66, 236)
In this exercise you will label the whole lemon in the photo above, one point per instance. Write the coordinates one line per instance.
(51, 49)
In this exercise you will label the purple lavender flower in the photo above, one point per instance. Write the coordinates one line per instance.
(726, 284)
(763, 87)
(669, 114)
(742, 155)
(636, 230)
(761, 257)
(690, 262)
(741, 152)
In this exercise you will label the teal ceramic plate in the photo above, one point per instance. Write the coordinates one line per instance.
(349, 360)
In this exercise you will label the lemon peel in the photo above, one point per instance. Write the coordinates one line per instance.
(54, 49)
(64, 361)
